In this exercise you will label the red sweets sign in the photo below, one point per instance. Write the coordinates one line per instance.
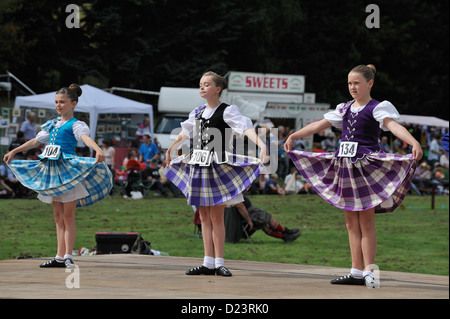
(258, 82)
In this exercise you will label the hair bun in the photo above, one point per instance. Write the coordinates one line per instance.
(76, 88)
(373, 68)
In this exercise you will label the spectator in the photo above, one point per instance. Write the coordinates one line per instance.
(132, 154)
(152, 177)
(81, 149)
(143, 129)
(283, 158)
(257, 218)
(11, 183)
(161, 152)
(20, 139)
(443, 161)
(434, 151)
(385, 145)
(168, 184)
(299, 145)
(329, 143)
(110, 153)
(27, 126)
(422, 175)
(399, 146)
(272, 186)
(5, 190)
(148, 150)
(290, 182)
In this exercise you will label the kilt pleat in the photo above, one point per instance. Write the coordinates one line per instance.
(55, 177)
(214, 184)
(358, 186)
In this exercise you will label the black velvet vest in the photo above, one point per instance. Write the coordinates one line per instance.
(213, 134)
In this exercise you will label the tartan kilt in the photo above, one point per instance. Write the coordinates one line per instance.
(214, 184)
(358, 186)
(55, 177)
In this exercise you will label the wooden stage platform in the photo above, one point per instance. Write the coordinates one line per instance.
(127, 276)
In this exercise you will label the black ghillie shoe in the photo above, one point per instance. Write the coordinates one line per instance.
(52, 264)
(348, 280)
(222, 271)
(201, 270)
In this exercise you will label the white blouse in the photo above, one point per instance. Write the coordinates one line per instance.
(380, 112)
(79, 128)
(231, 115)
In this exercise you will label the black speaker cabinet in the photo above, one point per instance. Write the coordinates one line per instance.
(115, 243)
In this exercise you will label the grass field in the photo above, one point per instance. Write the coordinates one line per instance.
(413, 239)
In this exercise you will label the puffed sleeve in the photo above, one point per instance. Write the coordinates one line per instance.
(238, 122)
(43, 137)
(383, 110)
(80, 128)
(335, 116)
(188, 126)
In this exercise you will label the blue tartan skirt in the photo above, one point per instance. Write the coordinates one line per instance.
(56, 177)
(379, 180)
(214, 184)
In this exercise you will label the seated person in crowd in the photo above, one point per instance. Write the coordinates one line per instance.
(152, 177)
(168, 184)
(272, 186)
(11, 184)
(260, 219)
(20, 139)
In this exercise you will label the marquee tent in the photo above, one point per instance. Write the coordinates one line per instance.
(93, 101)
(423, 120)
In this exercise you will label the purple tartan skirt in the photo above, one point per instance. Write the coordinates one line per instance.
(373, 181)
(214, 184)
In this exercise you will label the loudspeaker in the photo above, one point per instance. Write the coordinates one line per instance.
(115, 243)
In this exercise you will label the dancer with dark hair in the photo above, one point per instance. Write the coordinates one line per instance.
(61, 177)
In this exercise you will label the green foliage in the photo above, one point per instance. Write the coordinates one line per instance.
(147, 44)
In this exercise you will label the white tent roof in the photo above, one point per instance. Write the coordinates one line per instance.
(423, 120)
(93, 101)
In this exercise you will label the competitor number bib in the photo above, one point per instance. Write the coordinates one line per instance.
(51, 152)
(200, 157)
(348, 149)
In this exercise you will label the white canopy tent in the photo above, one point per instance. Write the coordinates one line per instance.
(422, 120)
(93, 101)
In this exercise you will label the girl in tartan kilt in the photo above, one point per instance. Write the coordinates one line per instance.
(359, 177)
(213, 176)
(60, 177)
